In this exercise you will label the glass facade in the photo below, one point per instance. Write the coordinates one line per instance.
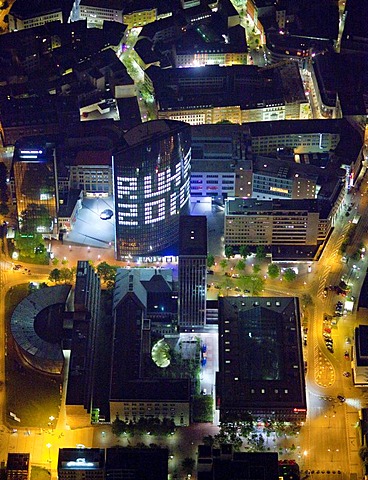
(151, 187)
(35, 179)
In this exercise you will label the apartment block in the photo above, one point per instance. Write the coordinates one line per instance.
(276, 222)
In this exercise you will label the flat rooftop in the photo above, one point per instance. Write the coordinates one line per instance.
(261, 361)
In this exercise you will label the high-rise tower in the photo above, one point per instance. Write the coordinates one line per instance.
(151, 187)
(192, 271)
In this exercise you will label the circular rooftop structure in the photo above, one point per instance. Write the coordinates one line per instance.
(37, 327)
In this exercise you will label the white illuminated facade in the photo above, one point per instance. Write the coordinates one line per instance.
(95, 13)
(151, 187)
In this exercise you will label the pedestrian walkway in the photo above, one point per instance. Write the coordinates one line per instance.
(70, 253)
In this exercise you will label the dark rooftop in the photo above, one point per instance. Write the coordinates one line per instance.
(296, 127)
(156, 389)
(361, 345)
(193, 235)
(263, 366)
(138, 464)
(26, 9)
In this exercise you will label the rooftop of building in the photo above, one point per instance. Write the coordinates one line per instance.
(212, 39)
(264, 364)
(142, 5)
(18, 461)
(251, 206)
(355, 28)
(238, 85)
(24, 9)
(142, 282)
(294, 127)
(152, 131)
(103, 4)
(81, 459)
(361, 345)
(230, 464)
(26, 322)
(203, 165)
(92, 157)
(148, 463)
(130, 115)
(193, 236)
(68, 202)
(275, 167)
(163, 390)
(312, 19)
(144, 48)
(96, 136)
(172, 23)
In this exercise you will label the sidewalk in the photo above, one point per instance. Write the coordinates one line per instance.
(72, 253)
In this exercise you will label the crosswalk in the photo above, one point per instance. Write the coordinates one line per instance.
(324, 373)
(323, 281)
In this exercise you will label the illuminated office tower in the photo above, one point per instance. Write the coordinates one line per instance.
(35, 178)
(151, 187)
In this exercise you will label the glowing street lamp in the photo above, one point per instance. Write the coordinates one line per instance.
(48, 446)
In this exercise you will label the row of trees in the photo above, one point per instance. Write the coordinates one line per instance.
(273, 269)
(247, 431)
(143, 426)
(244, 252)
(203, 408)
(105, 271)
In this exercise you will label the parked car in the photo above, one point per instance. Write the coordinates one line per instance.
(106, 214)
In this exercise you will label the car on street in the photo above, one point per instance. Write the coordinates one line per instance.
(341, 398)
(106, 214)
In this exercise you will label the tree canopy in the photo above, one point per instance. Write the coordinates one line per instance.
(273, 270)
(244, 251)
(229, 251)
(210, 260)
(152, 426)
(289, 275)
